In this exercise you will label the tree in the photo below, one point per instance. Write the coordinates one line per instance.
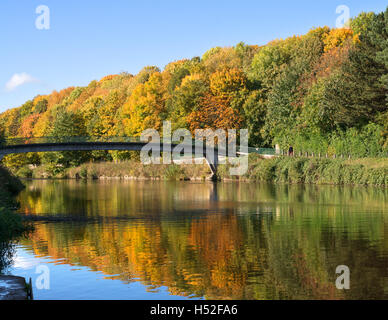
(246, 53)
(27, 127)
(184, 100)
(2, 136)
(227, 82)
(41, 106)
(357, 92)
(176, 78)
(12, 122)
(145, 108)
(220, 58)
(145, 73)
(26, 109)
(66, 124)
(214, 113)
(337, 38)
(361, 22)
(270, 61)
(255, 114)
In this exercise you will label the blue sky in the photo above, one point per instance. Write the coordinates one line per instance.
(90, 39)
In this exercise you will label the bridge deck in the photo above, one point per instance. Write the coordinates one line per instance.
(52, 144)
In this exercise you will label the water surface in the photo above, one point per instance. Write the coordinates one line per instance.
(179, 240)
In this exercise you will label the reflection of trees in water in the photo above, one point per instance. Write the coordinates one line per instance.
(152, 198)
(226, 256)
(7, 250)
(255, 242)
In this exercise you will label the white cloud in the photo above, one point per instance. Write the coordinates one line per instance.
(19, 79)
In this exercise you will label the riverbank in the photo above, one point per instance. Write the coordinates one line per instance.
(11, 227)
(367, 171)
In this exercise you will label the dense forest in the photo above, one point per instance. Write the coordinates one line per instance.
(325, 91)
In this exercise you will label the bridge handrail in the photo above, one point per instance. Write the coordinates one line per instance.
(118, 139)
(75, 139)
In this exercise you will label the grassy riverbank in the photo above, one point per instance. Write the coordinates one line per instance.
(317, 171)
(367, 171)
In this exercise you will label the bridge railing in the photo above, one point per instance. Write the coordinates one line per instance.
(80, 139)
(262, 151)
(42, 140)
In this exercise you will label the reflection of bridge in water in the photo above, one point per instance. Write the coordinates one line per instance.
(106, 143)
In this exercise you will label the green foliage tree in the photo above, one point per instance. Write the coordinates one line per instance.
(357, 93)
(2, 136)
(184, 100)
(67, 124)
(41, 106)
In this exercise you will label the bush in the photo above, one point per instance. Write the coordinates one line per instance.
(24, 172)
(11, 225)
(358, 142)
(173, 172)
(93, 173)
(320, 171)
(264, 171)
(9, 183)
(83, 172)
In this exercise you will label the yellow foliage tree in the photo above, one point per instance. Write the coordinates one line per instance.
(227, 82)
(146, 106)
(337, 38)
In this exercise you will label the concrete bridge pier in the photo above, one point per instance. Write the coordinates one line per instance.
(212, 162)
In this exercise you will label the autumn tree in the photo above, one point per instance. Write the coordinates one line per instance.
(185, 99)
(145, 108)
(215, 113)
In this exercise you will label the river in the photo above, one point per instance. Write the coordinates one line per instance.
(199, 240)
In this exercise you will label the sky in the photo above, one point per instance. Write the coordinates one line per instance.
(87, 40)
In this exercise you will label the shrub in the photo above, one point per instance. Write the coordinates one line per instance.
(83, 172)
(173, 172)
(24, 172)
(320, 171)
(11, 225)
(93, 173)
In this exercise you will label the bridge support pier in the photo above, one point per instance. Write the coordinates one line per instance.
(212, 162)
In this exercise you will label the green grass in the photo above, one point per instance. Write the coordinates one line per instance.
(318, 171)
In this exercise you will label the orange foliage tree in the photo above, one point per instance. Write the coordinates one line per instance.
(214, 112)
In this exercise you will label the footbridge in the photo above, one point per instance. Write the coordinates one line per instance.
(55, 144)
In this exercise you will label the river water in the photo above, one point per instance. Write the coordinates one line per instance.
(197, 240)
